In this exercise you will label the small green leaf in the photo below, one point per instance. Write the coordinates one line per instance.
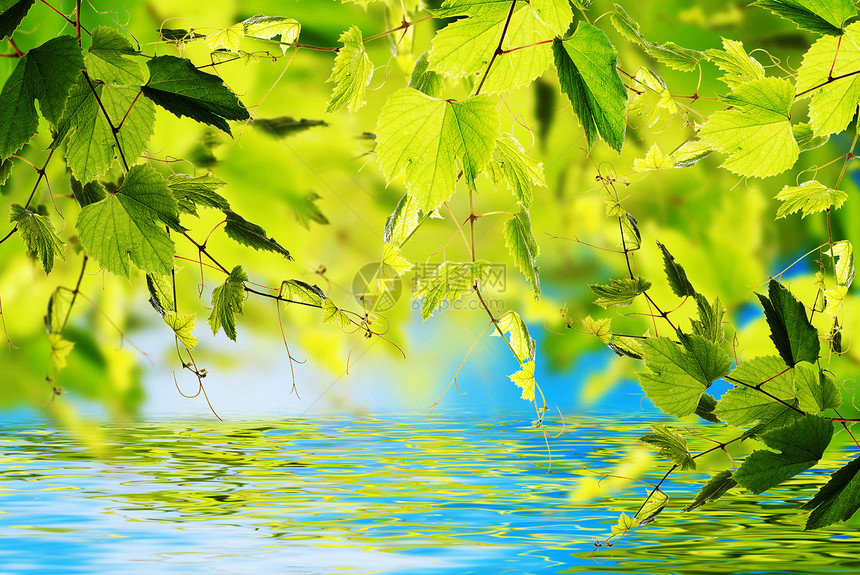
(654, 504)
(352, 73)
(522, 246)
(333, 314)
(424, 79)
(806, 138)
(800, 445)
(627, 346)
(525, 380)
(450, 281)
(129, 224)
(602, 328)
(819, 16)
(60, 350)
(227, 39)
(193, 191)
(619, 292)
(816, 389)
(59, 307)
(228, 300)
(520, 340)
(670, 445)
(403, 221)
(843, 251)
(39, 236)
(511, 164)
(680, 373)
(627, 26)
(244, 232)
(412, 128)
(747, 404)
(183, 326)
(160, 288)
(107, 58)
(285, 126)
(811, 197)
(676, 275)
(755, 133)
(718, 485)
(676, 57)
(179, 87)
(586, 64)
(13, 13)
(710, 322)
(267, 27)
(739, 67)
(630, 236)
(301, 292)
(86, 194)
(706, 407)
(790, 330)
(838, 500)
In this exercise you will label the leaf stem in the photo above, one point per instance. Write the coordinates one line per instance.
(498, 48)
(114, 130)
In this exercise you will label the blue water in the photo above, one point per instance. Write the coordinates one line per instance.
(469, 493)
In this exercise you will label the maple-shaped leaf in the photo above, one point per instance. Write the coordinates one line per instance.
(619, 291)
(182, 325)
(602, 328)
(352, 73)
(428, 140)
(227, 39)
(810, 197)
(738, 66)
(819, 16)
(129, 224)
(586, 64)
(39, 236)
(335, 315)
(525, 380)
(755, 133)
(179, 87)
(228, 299)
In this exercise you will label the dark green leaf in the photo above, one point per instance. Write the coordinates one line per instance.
(586, 64)
(178, 87)
(670, 445)
(244, 232)
(819, 16)
(178, 34)
(13, 13)
(39, 236)
(838, 500)
(87, 194)
(798, 447)
(790, 330)
(619, 292)
(285, 126)
(713, 489)
(676, 275)
(706, 407)
(46, 74)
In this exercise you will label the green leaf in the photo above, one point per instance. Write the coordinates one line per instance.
(107, 60)
(180, 88)
(45, 73)
(710, 322)
(811, 197)
(227, 39)
(403, 221)
(525, 380)
(650, 97)
(800, 445)
(86, 194)
(394, 263)
(806, 138)
(465, 47)
(5, 171)
(790, 330)
(13, 13)
(655, 159)
(183, 326)
(676, 275)
(424, 79)
(522, 246)
(228, 300)
(654, 504)
(627, 26)
(602, 328)
(631, 239)
(838, 500)
(739, 67)
(244, 232)
(676, 57)
(718, 485)
(129, 224)
(706, 407)
(301, 292)
(756, 132)
(833, 104)
(91, 147)
(193, 191)
(670, 445)
(425, 139)
(843, 251)
(59, 306)
(627, 347)
(39, 236)
(744, 404)
(268, 27)
(619, 292)
(680, 373)
(60, 350)
(819, 16)
(586, 64)
(284, 126)
(450, 281)
(816, 389)
(520, 340)
(352, 73)
(333, 314)
(511, 164)
(160, 288)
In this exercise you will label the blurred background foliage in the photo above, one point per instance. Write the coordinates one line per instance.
(320, 193)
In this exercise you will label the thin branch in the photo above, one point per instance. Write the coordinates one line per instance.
(498, 48)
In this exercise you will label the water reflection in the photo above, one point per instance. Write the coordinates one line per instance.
(373, 495)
